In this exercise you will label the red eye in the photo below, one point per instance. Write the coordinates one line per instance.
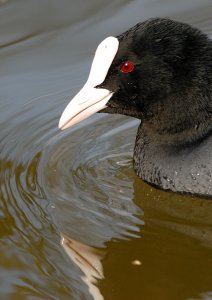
(127, 67)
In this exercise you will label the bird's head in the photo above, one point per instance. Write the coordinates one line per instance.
(136, 71)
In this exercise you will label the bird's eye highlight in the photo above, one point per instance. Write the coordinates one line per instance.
(127, 67)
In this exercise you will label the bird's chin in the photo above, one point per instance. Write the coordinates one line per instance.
(111, 110)
(121, 111)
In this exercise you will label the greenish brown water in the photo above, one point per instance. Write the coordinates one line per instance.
(145, 244)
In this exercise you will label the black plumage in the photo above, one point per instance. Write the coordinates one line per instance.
(170, 91)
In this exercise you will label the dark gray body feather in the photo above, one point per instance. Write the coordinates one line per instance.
(185, 169)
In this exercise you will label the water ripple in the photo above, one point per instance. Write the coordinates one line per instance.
(80, 177)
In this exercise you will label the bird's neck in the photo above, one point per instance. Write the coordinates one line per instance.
(169, 159)
(180, 119)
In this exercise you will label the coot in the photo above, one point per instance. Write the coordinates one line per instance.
(159, 71)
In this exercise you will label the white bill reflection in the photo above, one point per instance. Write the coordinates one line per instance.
(88, 259)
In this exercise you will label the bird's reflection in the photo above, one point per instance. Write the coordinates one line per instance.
(88, 259)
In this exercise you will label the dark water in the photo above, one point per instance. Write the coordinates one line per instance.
(124, 239)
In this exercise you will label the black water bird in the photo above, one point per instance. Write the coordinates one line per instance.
(159, 71)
